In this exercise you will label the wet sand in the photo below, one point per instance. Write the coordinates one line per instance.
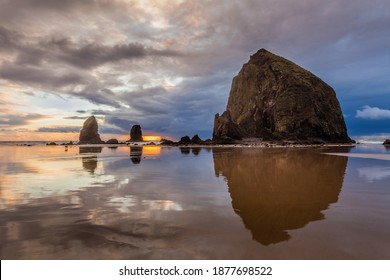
(155, 202)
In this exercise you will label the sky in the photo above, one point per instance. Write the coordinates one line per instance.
(168, 65)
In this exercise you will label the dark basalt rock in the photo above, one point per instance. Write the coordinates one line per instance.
(89, 133)
(274, 99)
(387, 142)
(112, 141)
(196, 140)
(185, 140)
(136, 133)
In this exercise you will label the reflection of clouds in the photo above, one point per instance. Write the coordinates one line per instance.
(374, 173)
(44, 173)
(162, 205)
(131, 203)
(115, 209)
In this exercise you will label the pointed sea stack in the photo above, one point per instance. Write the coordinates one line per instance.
(136, 133)
(274, 99)
(89, 133)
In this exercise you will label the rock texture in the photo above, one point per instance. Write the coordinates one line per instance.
(136, 133)
(89, 133)
(387, 142)
(274, 99)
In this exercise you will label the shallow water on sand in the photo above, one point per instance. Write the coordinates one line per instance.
(193, 203)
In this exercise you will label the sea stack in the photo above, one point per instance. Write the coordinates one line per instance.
(136, 133)
(274, 99)
(89, 133)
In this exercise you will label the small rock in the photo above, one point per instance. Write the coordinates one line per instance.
(112, 141)
(136, 133)
(89, 133)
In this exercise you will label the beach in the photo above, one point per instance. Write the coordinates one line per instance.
(152, 202)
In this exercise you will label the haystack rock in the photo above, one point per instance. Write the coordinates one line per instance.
(136, 133)
(89, 133)
(274, 99)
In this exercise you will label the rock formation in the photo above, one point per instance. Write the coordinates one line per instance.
(387, 142)
(89, 133)
(185, 140)
(274, 99)
(136, 133)
(112, 141)
(196, 140)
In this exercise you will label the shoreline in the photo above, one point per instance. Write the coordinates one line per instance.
(261, 144)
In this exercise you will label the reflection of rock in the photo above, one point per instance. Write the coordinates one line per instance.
(136, 133)
(196, 150)
(185, 150)
(136, 154)
(89, 133)
(276, 191)
(90, 162)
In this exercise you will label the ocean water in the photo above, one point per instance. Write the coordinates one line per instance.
(156, 202)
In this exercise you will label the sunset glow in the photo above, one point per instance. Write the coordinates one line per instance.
(151, 138)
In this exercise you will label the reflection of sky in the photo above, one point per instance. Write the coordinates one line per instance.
(170, 205)
(28, 176)
(31, 173)
(370, 148)
(374, 173)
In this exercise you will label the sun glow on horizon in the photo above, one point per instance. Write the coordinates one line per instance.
(151, 138)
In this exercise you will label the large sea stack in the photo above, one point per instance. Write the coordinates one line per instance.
(274, 99)
(89, 133)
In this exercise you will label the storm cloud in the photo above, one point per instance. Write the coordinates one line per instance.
(169, 65)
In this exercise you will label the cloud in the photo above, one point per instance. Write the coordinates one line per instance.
(75, 118)
(372, 113)
(63, 129)
(170, 67)
(17, 120)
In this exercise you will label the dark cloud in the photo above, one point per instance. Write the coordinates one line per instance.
(8, 39)
(62, 129)
(112, 130)
(89, 55)
(38, 76)
(75, 118)
(170, 67)
(100, 112)
(16, 120)
(122, 125)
